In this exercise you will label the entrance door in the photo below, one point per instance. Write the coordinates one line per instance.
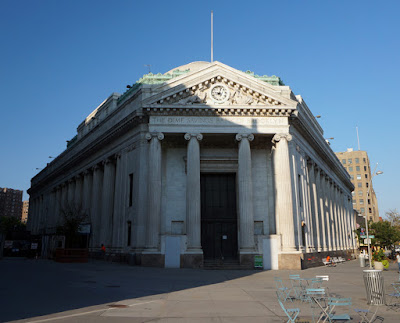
(218, 216)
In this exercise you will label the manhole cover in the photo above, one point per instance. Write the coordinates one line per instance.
(118, 305)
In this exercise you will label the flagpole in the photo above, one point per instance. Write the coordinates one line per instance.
(212, 37)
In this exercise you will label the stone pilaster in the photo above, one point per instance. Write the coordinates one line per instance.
(71, 192)
(328, 213)
(193, 207)
(57, 218)
(283, 186)
(154, 191)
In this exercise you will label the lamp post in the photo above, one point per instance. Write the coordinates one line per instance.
(366, 217)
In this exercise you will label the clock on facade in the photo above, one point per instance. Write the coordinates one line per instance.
(219, 93)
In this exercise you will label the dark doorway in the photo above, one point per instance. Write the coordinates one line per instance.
(218, 217)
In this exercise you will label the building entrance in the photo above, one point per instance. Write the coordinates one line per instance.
(218, 217)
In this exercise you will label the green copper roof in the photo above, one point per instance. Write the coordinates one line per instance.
(273, 80)
(161, 78)
(153, 79)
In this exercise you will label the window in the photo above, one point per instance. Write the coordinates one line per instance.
(350, 168)
(343, 161)
(361, 201)
(362, 210)
(365, 168)
(130, 189)
(357, 168)
(358, 176)
(360, 193)
(364, 160)
(369, 201)
(370, 210)
(366, 176)
(366, 184)
(129, 232)
(357, 160)
(359, 184)
(352, 177)
(349, 161)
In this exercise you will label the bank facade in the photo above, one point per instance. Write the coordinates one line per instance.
(203, 164)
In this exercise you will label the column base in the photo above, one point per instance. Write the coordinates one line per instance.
(192, 259)
(290, 261)
(152, 259)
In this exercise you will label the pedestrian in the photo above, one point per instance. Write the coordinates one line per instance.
(398, 261)
(103, 251)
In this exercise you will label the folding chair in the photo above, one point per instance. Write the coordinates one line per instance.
(395, 297)
(296, 285)
(364, 313)
(290, 312)
(317, 299)
(337, 303)
(282, 291)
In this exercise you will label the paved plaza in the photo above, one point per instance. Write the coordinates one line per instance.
(46, 291)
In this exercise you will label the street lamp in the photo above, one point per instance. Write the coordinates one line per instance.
(366, 218)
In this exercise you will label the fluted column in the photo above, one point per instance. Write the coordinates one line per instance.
(57, 206)
(87, 191)
(328, 213)
(107, 202)
(95, 214)
(78, 191)
(245, 192)
(71, 192)
(283, 185)
(314, 206)
(154, 191)
(335, 215)
(193, 206)
(64, 198)
(343, 226)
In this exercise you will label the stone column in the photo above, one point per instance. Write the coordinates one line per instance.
(64, 198)
(87, 191)
(314, 206)
(328, 213)
(321, 217)
(154, 191)
(343, 229)
(245, 192)
(107, 202)
(335, 216)
(95, 214)
(71, 192)
(78, 191)
(324, 222)
(57, 206)
(283, 186)
(193, 203)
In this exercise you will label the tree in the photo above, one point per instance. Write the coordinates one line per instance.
(393, 217)
(73, 217)
(385, 234)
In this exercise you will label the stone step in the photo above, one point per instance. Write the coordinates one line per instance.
(223, 265)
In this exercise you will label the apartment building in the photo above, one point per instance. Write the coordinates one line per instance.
(358, 166)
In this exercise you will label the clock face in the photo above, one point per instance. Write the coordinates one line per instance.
(219, 93)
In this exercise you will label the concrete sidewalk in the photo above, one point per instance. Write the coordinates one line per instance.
(45, 291)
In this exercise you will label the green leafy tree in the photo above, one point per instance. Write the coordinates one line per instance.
(10, 224)
(385, 234)
(393, 216)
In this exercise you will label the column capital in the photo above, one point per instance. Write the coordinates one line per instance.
(189, 136)
(158, 135)
(279, 136)
(248, 136)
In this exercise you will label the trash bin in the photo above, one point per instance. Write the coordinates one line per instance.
(362, 260)
(373, 280)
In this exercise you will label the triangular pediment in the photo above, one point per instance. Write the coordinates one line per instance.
(218, 85)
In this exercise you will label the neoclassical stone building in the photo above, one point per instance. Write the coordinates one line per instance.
(204, 164)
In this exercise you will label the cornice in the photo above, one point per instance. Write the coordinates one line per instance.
(119, 129)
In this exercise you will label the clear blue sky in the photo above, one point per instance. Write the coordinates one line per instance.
(60, 59)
